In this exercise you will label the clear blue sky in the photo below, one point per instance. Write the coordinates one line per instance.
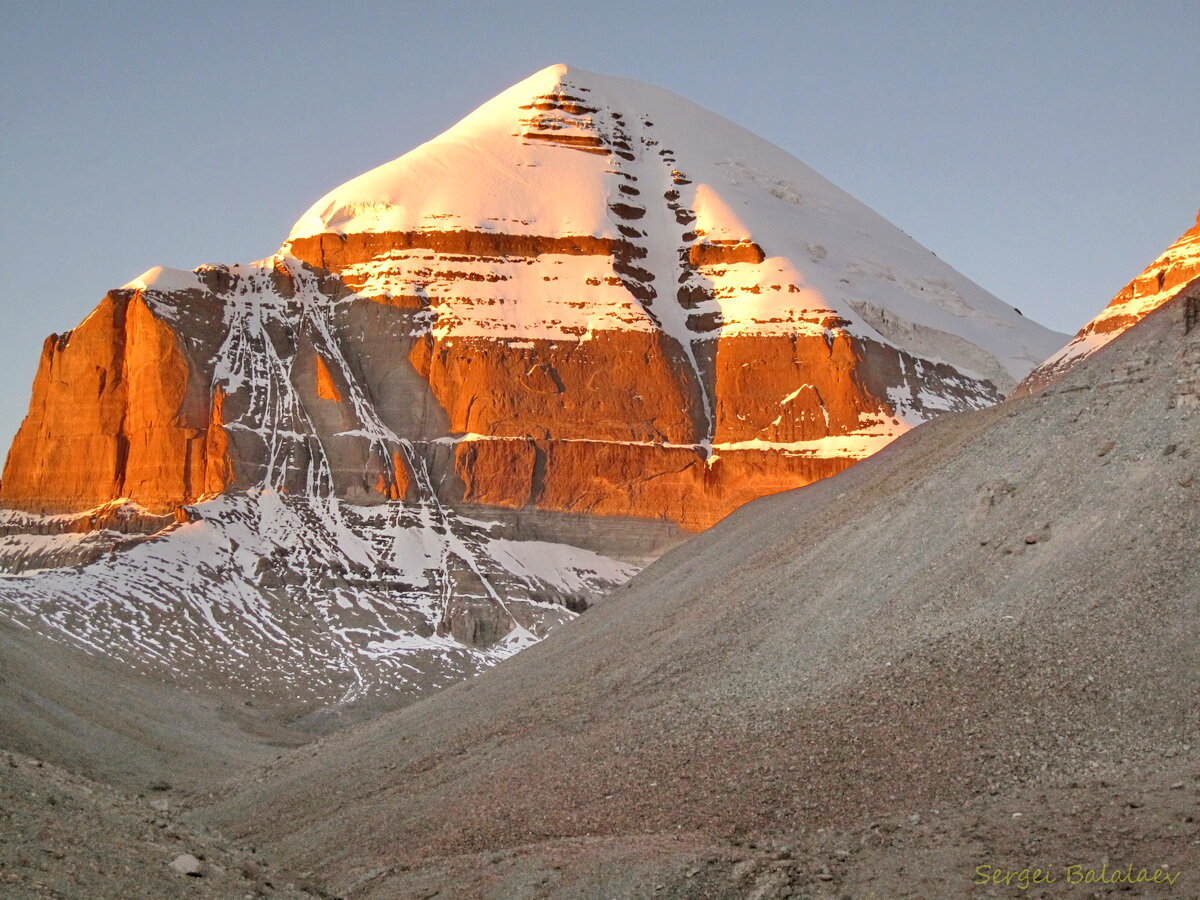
(1047, 150)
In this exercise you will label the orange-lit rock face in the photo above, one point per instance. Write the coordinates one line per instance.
(628, 421)
(493, 375)
(116, 413)
(614, 426)
(1178, 265)
(577, 449)
(281, 378)
(611, 479)
(257, 378)
(326, 387)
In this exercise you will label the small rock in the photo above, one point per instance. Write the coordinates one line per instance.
(186, 864)
(1169, 449)
(1106, 448)
(159, 786)
(914, 819)
(1177, 786)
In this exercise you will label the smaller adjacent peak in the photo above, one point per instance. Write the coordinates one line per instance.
(163, 278)
(1177, 267)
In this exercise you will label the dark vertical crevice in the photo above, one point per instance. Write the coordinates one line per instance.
(120, 388)
(538, 478)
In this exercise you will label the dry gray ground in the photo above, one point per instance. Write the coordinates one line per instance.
(131, 753)
(63, 836)
(979, 647)
(98, 718)
(848, 690)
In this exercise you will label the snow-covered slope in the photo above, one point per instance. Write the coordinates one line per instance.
(321, 564)
(302, 599)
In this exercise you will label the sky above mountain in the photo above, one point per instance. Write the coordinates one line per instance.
(1048, 153)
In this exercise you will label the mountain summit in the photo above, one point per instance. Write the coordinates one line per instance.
(579, 222)
(476, 386)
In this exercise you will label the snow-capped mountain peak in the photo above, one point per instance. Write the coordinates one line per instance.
(477, 386)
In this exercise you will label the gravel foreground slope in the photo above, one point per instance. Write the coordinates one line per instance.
(65, 836)
(102, 720)
(979, 647)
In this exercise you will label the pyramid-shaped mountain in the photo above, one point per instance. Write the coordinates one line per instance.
(475, 387)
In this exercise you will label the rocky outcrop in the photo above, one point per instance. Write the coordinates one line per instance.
(117, 412)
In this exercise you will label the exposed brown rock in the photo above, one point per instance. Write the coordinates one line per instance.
(754, 375)
(1178, 265)
(337, 251)
(618, 386)
(1159, 282)
(712, 253)
(498, 472)
(616, 479)
(580, 141)
(396, 483)
(614, 425)
(218, 467)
